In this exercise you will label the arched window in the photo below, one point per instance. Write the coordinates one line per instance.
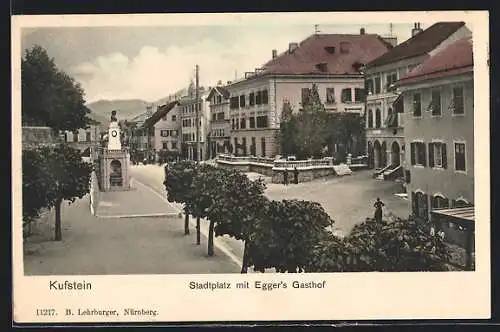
(419, 205)
(439, 202)
(461, 202)
(378, 118)
(370, 119)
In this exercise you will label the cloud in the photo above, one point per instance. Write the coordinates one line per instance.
(155, 72)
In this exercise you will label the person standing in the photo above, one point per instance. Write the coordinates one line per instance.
(285, 177)
(295, 175)
(378, 210)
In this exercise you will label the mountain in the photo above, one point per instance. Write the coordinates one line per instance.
(126, 108)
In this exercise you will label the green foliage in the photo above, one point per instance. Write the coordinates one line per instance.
(398, 246)
(285, 237)
(50, 97)
(312, 131)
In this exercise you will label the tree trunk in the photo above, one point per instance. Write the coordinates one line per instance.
(211, 239)
(244, 264)
(198, 231)
(58, 231)
(186, 223)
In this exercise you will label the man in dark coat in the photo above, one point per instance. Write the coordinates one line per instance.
(378, 210)
(295, 175)
(285, 177)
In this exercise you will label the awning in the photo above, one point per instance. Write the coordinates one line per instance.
(463, 216)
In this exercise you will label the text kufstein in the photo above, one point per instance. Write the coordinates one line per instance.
(69, 285)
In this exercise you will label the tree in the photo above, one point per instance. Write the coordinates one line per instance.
(37, 185)
(397, 246)
(50, 97)
(178, 183)
(306, 133)
(236, 207)
(286, 236)
(68, 176)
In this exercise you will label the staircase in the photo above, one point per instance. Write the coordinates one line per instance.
(389, 172)
(342, 169)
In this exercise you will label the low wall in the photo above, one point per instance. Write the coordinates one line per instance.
(94, 192)
(307, 169)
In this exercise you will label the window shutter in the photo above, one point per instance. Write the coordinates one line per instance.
(425, 207)
(431, 154)
(424, 155)
(414, 203)
(444, 157)
(453, 203)
(412, 153)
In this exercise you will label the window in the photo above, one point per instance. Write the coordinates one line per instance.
(435, 104)
(359, 94)
(88, 136)
(232, 124)
(234, 103)
(330, 95)
(258, 98)
(370, 119)
(460, 202)
(263, 146)
(457, 103)
(252, 122)
(346, 95)
(460, 157)
(305, 92)
(391, 78)
(251, 99)
(419, 205)
(439, 202)
(417, 152)
(262, 121)
(220, 116)
(244, 145)
(417, 105)
(242, 101)
(369, 86)
(173, 145)
(75, 137)
(265, 97)
(214, 117)
(174, 118)
(378, 118)
(219, 99)
(377, 85)
(164, 118)
(437, 155)
(164, 133)
(253, 147)
(243, 123)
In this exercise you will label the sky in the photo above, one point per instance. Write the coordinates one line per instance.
(150, 63)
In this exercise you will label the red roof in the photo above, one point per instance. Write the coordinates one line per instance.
(420, 44)
(328, 54)
(456, 58)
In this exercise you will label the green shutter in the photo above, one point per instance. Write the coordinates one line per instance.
(444, 157)
(431, 154)
(412, 153)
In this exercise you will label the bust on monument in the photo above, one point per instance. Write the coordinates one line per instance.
(113, 116)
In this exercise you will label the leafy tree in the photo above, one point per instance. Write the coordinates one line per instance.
(50, 97)
(37, 186)
(285, 237)
(68, 176)
(178, 183)
(237, 204)
(398, 246)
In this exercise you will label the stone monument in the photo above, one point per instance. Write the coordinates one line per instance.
(115, 162)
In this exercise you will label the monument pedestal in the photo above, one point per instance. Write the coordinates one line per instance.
(114, 163)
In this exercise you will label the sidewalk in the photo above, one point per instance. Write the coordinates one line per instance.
(136, 202)
(141, 245)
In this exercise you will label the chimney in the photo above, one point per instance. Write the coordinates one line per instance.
(292, 47)
(275, 53)
(219, 83)
(416, 29)
(362, 31)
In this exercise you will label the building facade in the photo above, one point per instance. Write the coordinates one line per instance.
(84, 139)
(188, 114)
(332, 62)
(439, 130)
(220, 123)
(384, 117)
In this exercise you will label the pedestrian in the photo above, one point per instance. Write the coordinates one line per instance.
(285, 177)
(295, 175)
(378, 210)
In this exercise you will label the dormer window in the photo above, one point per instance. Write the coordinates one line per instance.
(330, 49)
(322, 66)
